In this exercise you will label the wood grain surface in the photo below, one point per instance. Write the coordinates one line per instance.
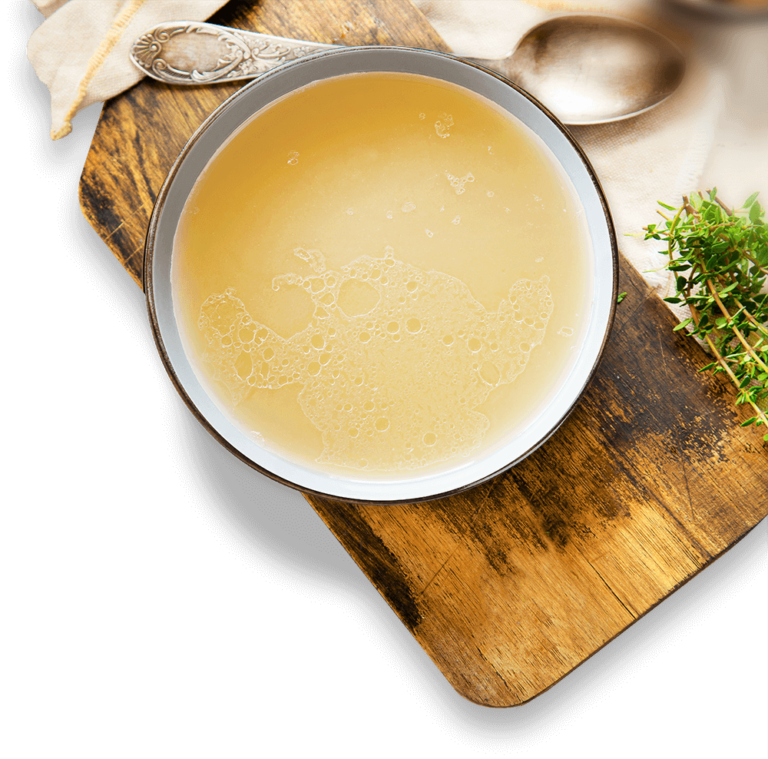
(509, 586)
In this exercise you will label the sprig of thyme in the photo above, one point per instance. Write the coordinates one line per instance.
(720, 260)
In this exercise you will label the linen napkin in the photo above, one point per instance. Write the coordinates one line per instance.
(80, 51)
(659, 155)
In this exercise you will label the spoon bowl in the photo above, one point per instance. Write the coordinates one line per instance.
(592, 68)
(586, 68)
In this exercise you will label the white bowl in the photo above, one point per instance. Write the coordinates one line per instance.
(228, 118)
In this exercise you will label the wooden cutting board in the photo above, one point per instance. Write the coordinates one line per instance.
(509, 586)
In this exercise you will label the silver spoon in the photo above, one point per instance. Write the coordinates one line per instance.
(587, 68)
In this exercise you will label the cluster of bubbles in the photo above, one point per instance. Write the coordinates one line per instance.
(458, 183)
(443, 125)
(392, 387)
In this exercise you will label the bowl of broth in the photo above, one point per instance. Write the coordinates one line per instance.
(381, 274)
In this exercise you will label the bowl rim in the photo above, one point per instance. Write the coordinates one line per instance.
(150, 288)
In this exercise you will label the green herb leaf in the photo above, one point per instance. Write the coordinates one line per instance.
(720, 262)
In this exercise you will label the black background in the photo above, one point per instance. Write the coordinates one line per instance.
(168, 588)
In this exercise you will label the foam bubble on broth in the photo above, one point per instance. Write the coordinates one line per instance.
(351, 365)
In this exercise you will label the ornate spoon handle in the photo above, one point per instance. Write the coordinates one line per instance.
(191, 52)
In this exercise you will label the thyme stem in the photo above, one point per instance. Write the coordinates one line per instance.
(736, 330)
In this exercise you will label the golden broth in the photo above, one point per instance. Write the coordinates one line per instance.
(382, 272)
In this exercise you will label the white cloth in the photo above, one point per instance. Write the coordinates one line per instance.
(81, 49)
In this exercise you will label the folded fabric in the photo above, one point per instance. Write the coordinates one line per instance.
(81, 49)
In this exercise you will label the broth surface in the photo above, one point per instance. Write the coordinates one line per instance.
(382, 272)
